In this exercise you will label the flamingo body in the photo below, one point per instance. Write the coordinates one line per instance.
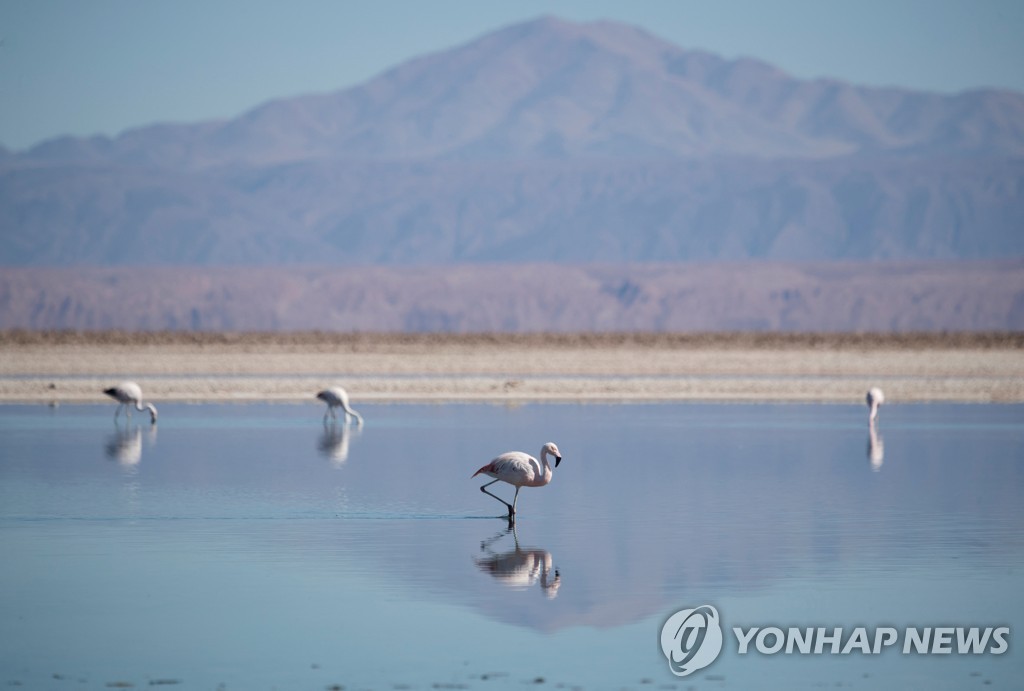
(520, 470)
(129, 394)
(337, 397)
(875, 398)
(517, 468)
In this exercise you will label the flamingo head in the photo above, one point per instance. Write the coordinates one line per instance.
(552, 449)
(152, 413)
(550, 588)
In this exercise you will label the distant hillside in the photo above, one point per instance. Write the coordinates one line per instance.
(554, 89)
(877, 297)
(446, 212)
(544, 141)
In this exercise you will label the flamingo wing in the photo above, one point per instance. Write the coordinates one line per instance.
(125, 392)
(334, 396)
(514, 467)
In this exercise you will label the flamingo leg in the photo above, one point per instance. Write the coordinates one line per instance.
(485, 545)
(511, 509)
(514, 500)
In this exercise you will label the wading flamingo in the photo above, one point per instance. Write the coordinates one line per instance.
(335, 397)
(875, 399)
(522, 470)
(127, 393)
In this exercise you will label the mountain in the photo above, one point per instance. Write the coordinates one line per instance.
(743, 296)
(543, 141)
(442, 212)
(552, 89)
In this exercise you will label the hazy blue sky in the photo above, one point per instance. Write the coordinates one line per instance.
(101, 66)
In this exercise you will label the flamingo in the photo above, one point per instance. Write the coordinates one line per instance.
(875, 399)
(336, 397)
(522, 470)
(127, 393)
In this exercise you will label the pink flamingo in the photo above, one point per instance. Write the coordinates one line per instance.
(126, 394)
(522, 470)
(875, 399)
(336, 397)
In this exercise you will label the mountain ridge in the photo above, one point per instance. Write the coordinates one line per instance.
(599, 84)
(543, 141)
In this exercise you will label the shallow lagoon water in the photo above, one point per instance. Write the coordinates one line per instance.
(250, 547)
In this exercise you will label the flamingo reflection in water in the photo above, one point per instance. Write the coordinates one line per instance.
(334, 442)
(125, 445)
(519, 568)
(876, 448)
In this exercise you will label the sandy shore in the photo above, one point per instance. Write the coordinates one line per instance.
(72, 368)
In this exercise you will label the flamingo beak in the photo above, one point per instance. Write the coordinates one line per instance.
(558, 459)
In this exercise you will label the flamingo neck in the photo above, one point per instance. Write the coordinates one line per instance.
(348, 410)
(150, 407)
(546, 471)
(548, 583)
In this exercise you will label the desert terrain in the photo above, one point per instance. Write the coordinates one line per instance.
(74, 367)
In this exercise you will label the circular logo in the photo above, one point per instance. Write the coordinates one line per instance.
(691, 639)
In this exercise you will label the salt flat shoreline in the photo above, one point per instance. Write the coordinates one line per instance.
(62, 367)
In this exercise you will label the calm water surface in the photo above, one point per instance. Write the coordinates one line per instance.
(250, 547)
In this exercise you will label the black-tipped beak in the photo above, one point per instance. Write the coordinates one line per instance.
(558, 459)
